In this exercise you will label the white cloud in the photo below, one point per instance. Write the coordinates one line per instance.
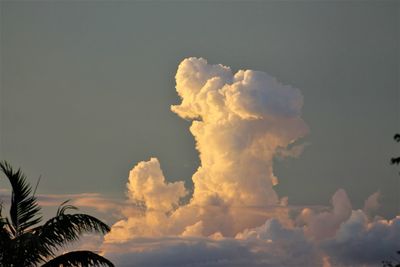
(356, 242)
(147, 184)
(360, 242)
(240, 122)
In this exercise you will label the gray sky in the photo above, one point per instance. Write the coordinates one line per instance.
(86, 89)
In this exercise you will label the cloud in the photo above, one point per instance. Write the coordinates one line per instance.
(349, 237)
(357, 241)
(293, 151)
(360, 242)
(325, 224)
(241, 119)
(268, 245)
(240, 122)
(113, 208)
(147, 184)
(371, 205)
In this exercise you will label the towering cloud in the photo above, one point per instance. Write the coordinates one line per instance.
(240, 122)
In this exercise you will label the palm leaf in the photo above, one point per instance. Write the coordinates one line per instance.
(27, 250)
(24, 210)
(42, 242)
(22, 244)
(78, 259)
(66, 228)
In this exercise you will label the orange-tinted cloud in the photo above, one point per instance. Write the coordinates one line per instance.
(240, 122)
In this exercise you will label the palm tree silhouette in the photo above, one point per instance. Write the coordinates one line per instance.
(24, 243)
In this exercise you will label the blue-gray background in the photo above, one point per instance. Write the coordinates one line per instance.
(86, 89)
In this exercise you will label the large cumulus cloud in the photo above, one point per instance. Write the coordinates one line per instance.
(240, 122)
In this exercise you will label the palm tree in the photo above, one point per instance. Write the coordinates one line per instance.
(24, 243)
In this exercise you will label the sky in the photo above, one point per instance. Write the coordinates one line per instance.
(120, 104)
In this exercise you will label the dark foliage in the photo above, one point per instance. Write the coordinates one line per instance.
(24, 243)
(396, 160)
(78, 258)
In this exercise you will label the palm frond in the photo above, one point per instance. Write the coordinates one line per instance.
(24, 210)
(79, 259)
(64, 207)
(24, 244)
(27, 250)
(43, 241)
(65, 228)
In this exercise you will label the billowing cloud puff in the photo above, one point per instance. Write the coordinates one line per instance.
(325, 224)
(360, 242)
(147, 184)
(372, 203)
(213, 92)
